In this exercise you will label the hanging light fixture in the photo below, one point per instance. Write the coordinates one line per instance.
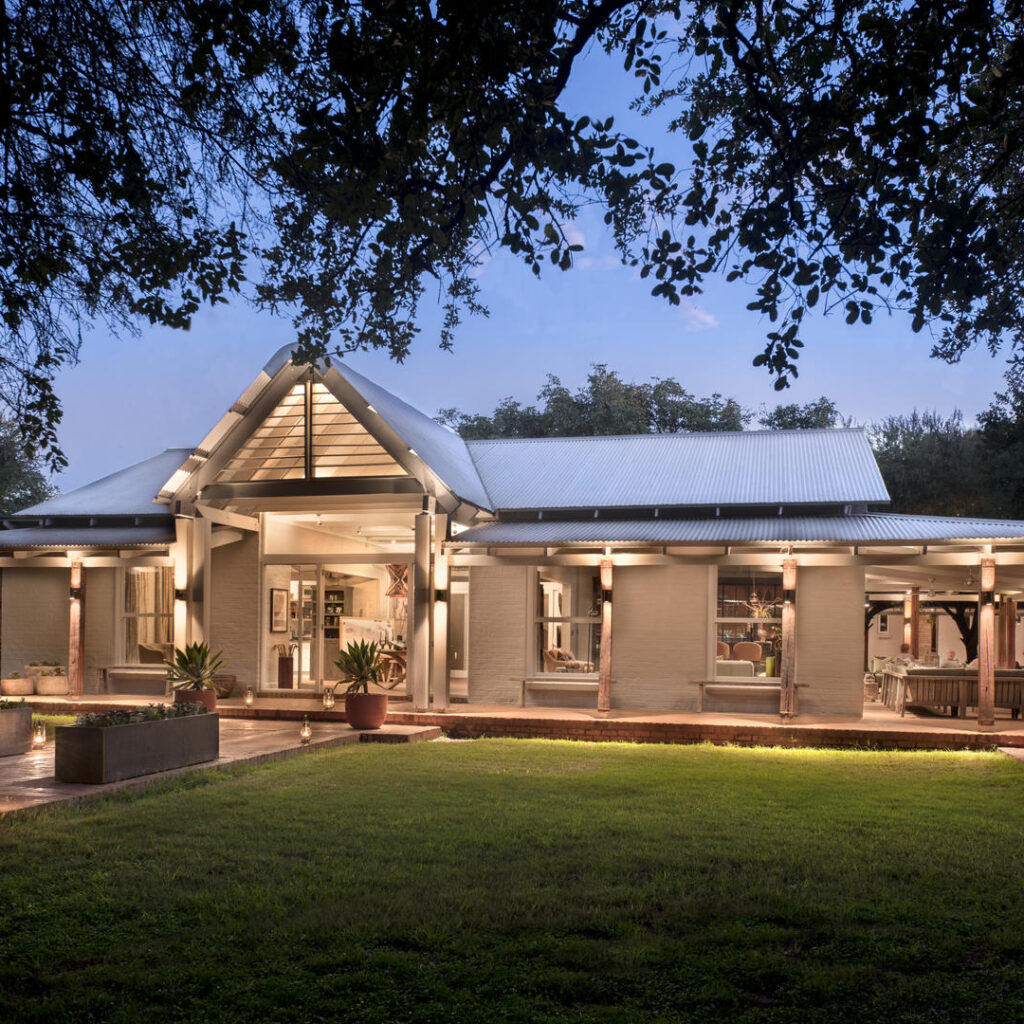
(39, 733)
(250, 696)
(306, 732)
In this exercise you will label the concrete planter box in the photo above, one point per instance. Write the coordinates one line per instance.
(15, 731)
(95, 754)
(23, 687)
(51, 686)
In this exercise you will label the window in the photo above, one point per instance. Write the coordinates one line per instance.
(568, 619)
(748, 621)
(148, 615)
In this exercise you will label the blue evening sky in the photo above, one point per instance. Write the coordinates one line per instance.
(132, 397)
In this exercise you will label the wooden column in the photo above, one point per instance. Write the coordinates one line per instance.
(986, 645)
(604, 675)
(199, 581)
(787, 672)
(76, 632)
(419, 650)
(1006, 633)
(440, 689)
(912, 621)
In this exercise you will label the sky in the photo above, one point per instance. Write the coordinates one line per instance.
(131, 397)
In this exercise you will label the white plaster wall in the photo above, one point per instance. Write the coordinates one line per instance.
(498, 632)
(35, 617)
(830, 640)
(234, 611)
(100, 609)
(659, 636)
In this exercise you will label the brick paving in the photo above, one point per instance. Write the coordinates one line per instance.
(27, 781)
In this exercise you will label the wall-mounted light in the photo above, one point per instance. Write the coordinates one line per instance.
(75, 593)
(440, 595)
(180, 594)
(987, 597)
(606, 595)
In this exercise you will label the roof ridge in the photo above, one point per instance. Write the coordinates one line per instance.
(802, 431)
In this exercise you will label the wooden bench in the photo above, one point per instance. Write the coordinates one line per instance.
(556, 686)
(747, 687)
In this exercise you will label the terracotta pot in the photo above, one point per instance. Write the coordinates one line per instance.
(17, 687)
(51, 686)
(366, 710)
(208, 698)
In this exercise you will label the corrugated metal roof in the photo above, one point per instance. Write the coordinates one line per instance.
(872, 527)
(88, 536)
(763, 467)
(128, 492)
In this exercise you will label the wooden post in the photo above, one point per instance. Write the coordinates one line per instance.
(419, 660)
(199, 596)
(912, 621)
(76, 632)
(986, 646)
(787, 672)
(440, 689)
(1011, 633)
(604, 675)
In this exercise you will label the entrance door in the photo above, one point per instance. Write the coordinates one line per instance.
(304, 598)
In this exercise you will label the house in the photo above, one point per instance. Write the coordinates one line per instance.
(618, 572)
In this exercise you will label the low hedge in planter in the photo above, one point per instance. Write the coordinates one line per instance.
(15, 728)
(118, 745)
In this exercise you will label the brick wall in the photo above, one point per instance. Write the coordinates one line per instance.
(830, 640)
(36, 616)
(659, 636)
(497, 632)
(100, 609)
(234, 613)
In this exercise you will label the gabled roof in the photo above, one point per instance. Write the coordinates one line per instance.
(761, 467)
(440, 448)
(423, 440)
(866, 528)
(128, 492)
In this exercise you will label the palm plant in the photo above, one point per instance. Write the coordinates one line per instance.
(361, 664)
(193, 667)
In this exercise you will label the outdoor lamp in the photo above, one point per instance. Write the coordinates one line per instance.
(305, 733)
(250, 696)
(328, 698)
(39, 734)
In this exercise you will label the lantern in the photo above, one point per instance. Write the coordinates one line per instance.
(39, 734)
(250, 696)
(305, 733)
(328, 698)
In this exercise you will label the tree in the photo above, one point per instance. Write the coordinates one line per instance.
(350, 155)
(931, 464)
(810, 416)
(605, 405)
(1002, 439)
(23, 481)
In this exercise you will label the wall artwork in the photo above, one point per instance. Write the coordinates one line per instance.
(883, 624)
(278, 610)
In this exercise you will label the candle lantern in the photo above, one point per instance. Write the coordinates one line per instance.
(39, 734)
(305, 733)
(250, 696)
(328, 698)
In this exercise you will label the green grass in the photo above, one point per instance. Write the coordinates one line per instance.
(52, 721)
(528, 881)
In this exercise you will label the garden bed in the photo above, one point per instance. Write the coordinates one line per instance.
(107, 753)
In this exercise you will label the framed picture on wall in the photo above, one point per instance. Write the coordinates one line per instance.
(278, 610)
(883, 624)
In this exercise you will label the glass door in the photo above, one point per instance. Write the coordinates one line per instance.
(304, 598)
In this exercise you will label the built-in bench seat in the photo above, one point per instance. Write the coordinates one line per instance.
(146, 680)
(747, 688)
(556, 686)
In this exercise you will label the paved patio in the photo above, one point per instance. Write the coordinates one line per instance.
(27, 781)
(879, 728)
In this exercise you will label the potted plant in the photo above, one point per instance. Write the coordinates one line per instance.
(15, 727)
(52, 680)
(17, 686)
(191, 673)
(360, 664)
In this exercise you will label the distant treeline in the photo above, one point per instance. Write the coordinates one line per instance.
(932, 464)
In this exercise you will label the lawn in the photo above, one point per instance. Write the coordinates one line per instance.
(528, 881)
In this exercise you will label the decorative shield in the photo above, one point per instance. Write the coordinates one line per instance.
(399, 585)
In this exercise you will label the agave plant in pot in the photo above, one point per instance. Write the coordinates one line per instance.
(360, 664)
(190, 674)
